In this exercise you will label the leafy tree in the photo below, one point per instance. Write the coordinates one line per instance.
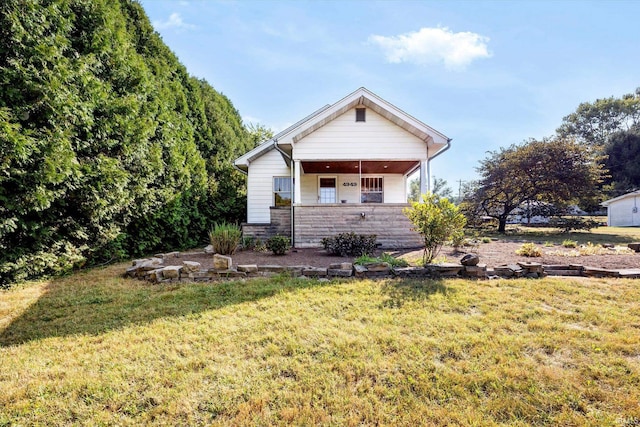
(437, 220)
(440, 188)
(556, 171)
(593, 124)
(108, 148)
(623, 161)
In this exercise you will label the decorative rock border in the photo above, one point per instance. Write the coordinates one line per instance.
(153, 270)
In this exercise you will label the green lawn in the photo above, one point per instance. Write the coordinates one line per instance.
(99, 350)
(615, 235)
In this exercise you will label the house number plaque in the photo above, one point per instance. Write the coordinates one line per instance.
(349, 184)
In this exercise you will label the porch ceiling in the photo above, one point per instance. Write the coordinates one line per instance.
(368, 167)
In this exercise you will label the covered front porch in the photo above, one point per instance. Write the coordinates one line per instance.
(327, 182)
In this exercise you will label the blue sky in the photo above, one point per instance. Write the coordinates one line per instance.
(486, 74)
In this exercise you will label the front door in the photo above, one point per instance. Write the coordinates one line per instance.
(327, 192)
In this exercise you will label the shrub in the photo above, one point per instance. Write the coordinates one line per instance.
(248, 242)
(278, 244)
(437, 220)
(350, 244)
(569, 243)
(548, 244)
(486, 240)
(225, 238)
(458, 240)
(529, 250)
(574, 223)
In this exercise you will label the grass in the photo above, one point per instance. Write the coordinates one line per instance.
(100, 350)
(615, 235)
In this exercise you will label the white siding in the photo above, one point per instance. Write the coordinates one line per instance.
(376, 138)
(620, 212)
(260, 185)
(394, 188)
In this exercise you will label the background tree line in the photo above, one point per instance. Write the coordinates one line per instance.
(595, 155)
(108, 147)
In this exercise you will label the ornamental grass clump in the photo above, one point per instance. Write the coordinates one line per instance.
(225, 238)
(529, 250)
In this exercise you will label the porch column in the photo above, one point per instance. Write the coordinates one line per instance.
(424, 176)
(297, 197)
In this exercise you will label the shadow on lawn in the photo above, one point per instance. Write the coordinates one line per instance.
(85, 304)
(400, 291)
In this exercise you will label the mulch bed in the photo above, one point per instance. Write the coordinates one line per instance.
(491, 254)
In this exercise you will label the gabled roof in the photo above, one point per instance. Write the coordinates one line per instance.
(283, 140)
(624, 196)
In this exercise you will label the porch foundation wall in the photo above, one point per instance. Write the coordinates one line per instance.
(280, 224)
(393, 228)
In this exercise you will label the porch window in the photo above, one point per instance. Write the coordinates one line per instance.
(282, 191)
(371, 190)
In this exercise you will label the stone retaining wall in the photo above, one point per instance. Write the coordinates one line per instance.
(154, 270)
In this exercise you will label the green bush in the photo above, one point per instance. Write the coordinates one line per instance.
(279, 245)
(569, 243)
(437, 220)
(574, 223)
(529, 250)
(350, 244)
(225, 238)
(486, 240)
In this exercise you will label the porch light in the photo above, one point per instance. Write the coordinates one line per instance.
(327, 166)
(385, 166)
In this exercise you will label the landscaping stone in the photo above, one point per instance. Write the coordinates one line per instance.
(230, 273)
(634, 246)
(378, 267)
(478, 270)
(208, 249)
(154, 275)
(470, 260)
(445, 269)
(191, 266)
(222, 262)
(248, 268)
(314, 271)
(600, 272)
(630, 273)
(171, 272)
(341, 266)
(339, 272)
(531, 267)
(272, 268)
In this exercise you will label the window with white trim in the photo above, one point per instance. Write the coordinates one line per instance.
(371, 189)
(281, 191)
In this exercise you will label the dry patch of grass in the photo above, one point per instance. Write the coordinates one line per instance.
(94, 349)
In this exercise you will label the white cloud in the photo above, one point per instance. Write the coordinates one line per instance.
(434, 45)
(174, 21)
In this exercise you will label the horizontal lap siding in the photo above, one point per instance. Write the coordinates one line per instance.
(387, 222)
(621, 213)
(344, 138)
(260, 185)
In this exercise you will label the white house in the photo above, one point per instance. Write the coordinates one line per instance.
(622, 211)
(343, 168)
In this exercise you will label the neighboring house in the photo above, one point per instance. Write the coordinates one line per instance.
(623, 211)
(344, 168)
